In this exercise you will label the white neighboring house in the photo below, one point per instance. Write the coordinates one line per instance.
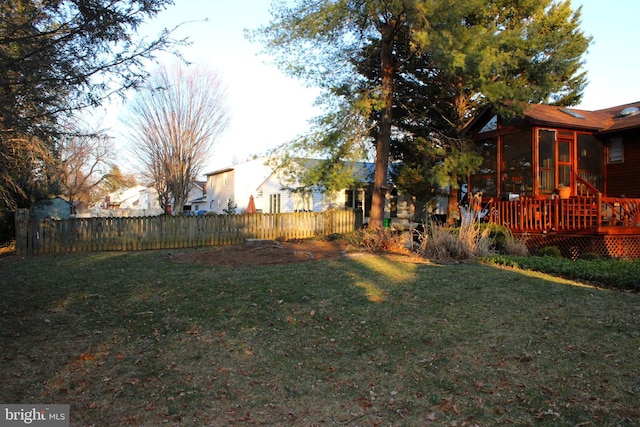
(197, 198)
(236, 184)
(254, 178)
(275, 198)
(126, 202)
(149, 200)
(143, 200)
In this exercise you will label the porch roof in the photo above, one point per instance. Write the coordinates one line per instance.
(552, 115)
(616, 122)
(599, 121)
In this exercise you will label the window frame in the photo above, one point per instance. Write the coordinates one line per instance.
(619, 144)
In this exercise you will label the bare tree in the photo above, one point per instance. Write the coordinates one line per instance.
(173, 123)
(85, 161)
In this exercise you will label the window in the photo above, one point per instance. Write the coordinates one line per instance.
(349, 199)
(274, 203)
(485, 178)
(616, 150)
(564, 162)
(224, 179)
(491, 125)
(547, 160)
(572, 113)
(591, 160)
(516, 163)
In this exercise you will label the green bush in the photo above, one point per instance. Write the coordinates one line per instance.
(500, 235)
(504, 241)
(355, 238)
(613, 273)
(516, 247)
(549, 251)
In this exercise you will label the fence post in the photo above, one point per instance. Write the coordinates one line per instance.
(22, 231)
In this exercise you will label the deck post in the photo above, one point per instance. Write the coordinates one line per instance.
(599, 211)
(521, 214)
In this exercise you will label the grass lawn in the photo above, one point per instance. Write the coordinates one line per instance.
(136, 339)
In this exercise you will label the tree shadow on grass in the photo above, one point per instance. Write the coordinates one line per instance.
(136, 338)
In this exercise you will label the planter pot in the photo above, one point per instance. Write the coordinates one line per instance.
(564, 192)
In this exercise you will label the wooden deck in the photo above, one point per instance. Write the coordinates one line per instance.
(592, 215)
(608, 226)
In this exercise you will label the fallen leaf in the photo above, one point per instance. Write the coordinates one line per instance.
(86, 356)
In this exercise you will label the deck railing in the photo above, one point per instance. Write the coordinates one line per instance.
(579, 214)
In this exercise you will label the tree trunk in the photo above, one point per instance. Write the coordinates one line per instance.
(453, 207)
(384, 135)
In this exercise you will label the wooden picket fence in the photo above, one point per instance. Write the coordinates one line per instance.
(173, 232)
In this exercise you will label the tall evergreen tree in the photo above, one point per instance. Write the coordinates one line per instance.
(317, 41)
(405, 73)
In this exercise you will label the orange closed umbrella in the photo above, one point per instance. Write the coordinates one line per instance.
(252, 206)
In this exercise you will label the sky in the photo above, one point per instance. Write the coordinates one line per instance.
(268, 108)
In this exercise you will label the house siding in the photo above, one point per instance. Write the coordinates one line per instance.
(237, 184)
(219, 190)
(255, 178)
(272, 188)
(622, 178)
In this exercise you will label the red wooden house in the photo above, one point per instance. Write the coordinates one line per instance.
(563, 177)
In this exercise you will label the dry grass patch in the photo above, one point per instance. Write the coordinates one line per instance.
(468, 242)
(7, 248)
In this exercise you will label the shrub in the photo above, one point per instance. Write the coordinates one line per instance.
(622, 274)
(550, 251)
(7, 227)
(499, 240)
(382, 240)
(470, 241)
(504, 241)
(440, 243)
(500, 235)
(516, 248)
(588, 256)
(231, 208)
(355, 238)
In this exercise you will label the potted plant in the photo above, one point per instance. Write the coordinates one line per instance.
(564, 192)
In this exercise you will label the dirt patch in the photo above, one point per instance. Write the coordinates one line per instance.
(262, 252)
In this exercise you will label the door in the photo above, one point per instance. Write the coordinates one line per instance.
(555, 154)
(565, 167)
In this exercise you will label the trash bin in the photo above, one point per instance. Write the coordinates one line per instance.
(386, 222)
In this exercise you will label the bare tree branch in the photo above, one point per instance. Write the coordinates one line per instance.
(85, 162)
(173, 124)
